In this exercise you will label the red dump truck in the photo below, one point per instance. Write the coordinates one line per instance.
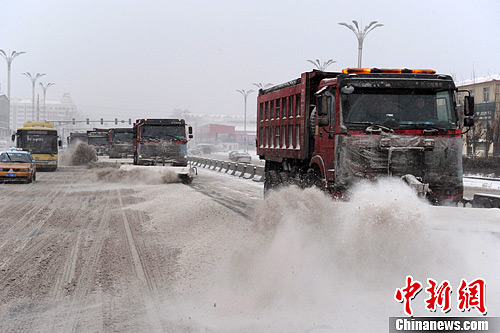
(163, 142)
(333, 129)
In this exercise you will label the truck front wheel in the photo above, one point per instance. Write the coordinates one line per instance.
(313, 178)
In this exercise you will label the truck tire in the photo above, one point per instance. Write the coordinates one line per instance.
(272, 180)
(284, 177)
(313, 178)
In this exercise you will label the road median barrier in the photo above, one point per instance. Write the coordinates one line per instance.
(241, 170)
(213, 164)
(259, 174)
(250, 171)
(218, 165)
(232, 168)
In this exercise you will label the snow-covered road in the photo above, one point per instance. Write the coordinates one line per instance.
(110, 250)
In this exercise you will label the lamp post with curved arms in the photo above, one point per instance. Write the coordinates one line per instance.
(9, 59)
(361, 34)
(33, 80)
(245, 95)
(321, 66)
(44, 93)
(262, 85)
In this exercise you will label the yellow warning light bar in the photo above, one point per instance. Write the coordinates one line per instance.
(388, 70)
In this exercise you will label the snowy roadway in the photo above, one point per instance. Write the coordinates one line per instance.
(110, 250)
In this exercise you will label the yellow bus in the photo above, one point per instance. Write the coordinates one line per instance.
(41, 140)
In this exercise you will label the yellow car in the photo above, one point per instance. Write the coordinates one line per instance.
(17, 166)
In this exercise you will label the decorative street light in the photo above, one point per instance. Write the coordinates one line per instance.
(33, 80)
(360, 35)
(9, 59)
(245, 95)
(44, 93)
(322, 66)
(262, 85)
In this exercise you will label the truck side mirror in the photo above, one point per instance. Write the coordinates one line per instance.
(319, 105)
(13, 138)
(468, 106)
(468, 121)
(190, 130)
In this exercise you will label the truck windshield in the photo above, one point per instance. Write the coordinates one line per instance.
(169, 132)
(399, 108)
(98, 140)
(122, 137)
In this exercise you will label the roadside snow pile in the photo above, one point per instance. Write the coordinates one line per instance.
(130, 174)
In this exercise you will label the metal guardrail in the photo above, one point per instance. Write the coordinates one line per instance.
(241, 170)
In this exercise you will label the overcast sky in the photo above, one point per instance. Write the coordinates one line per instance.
(121, 58)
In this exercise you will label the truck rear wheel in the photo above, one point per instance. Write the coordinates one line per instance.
(272, 180)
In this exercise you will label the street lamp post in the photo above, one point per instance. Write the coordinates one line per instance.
(245, 95)
(262, 85)
(321, 66)
(361, 34)
(9, 59)
(44, 93)
(33, 81)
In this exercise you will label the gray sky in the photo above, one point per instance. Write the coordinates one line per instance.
(121, 58)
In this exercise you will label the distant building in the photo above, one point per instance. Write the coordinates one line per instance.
(227, 136)
(486, 92)
(55, 110)
(4, 116)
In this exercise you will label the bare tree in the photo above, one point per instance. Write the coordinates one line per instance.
(475, 136)
(493, 136)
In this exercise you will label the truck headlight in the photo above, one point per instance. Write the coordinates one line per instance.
(429, 144)
(385, 142)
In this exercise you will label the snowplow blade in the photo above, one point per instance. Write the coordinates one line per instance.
(184, 174)
(481, 200)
